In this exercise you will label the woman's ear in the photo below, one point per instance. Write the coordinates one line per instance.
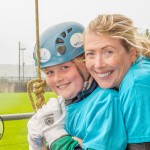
(133, 54)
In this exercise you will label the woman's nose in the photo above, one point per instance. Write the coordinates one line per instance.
(99, 62)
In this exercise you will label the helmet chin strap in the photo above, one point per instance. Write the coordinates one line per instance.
(86, 83)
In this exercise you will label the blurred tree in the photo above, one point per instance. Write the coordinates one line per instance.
(147, 33)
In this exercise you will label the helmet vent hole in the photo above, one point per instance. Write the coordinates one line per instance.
(63, 34)
(69, 30)
(61, 49)
(58, 40)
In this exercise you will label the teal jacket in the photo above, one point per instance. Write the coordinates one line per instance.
(97, 120)
(134, 95)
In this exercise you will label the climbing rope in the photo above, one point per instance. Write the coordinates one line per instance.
(40, 101)
(39, 97)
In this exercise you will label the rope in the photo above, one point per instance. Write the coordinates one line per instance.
(37, 38)
(39, 98)
(40, 101)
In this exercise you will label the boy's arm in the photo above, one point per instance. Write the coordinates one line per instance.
(51, 118)
(78, 139)
(66, 143)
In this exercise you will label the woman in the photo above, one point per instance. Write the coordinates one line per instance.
(92, 114)
(118, 57)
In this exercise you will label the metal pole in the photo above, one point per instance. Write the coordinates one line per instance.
(23, 65)
(19, 61)
(23, 70)
(21, 116)
(22, 61)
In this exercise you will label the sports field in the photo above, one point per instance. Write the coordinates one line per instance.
(15, 132)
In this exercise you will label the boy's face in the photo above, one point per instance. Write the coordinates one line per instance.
(64, 79)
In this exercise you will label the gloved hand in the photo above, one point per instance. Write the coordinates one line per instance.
(52, 119)
(35, 136)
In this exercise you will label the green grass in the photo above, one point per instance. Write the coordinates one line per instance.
(15, 132)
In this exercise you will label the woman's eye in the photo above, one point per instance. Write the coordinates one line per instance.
(108, 52)
(89, 54)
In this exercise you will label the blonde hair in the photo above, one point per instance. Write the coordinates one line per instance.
(120, 27)
(80, 58)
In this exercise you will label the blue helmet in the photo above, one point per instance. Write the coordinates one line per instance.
(60, 43)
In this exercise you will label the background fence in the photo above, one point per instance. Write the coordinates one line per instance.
(15, 79)
(14, 84)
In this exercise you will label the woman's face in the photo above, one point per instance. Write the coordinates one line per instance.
(64, 79)
(106, 59)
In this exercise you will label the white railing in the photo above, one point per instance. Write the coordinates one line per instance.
(9, 117)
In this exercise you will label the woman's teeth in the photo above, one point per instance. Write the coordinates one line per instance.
(102, 75)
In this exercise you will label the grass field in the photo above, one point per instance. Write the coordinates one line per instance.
(15, 132)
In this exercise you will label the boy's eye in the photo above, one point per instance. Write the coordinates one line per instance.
(64, 67)
(49, 72)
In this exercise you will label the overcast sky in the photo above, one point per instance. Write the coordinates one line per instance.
(17, 20)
